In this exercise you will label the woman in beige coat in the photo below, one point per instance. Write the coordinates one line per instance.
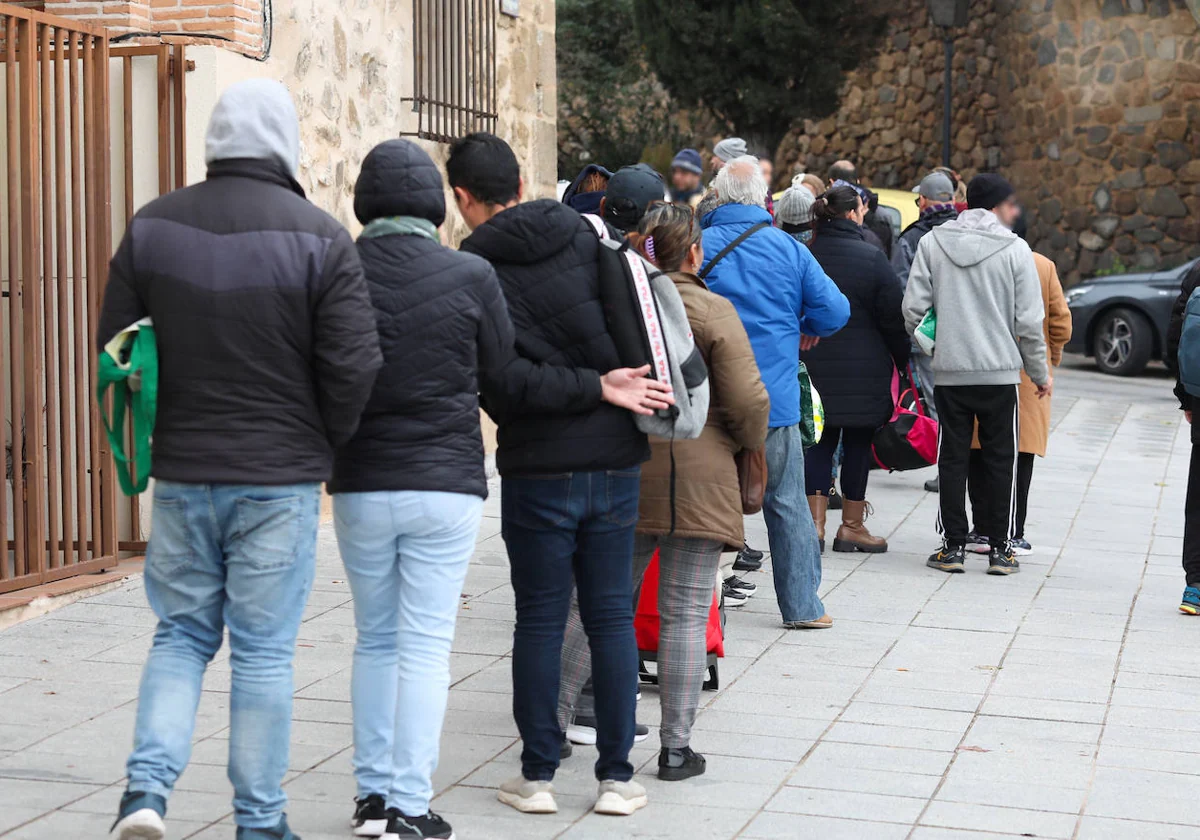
(707, 500)
(1033, 418)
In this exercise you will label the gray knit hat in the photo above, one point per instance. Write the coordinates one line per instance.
(794, 207)
(730, 148)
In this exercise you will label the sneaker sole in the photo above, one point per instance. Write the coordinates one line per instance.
(731, 602)
(369, 828)
(582, 737)
(1003, 570)
(979, 548)
(1188, 609)
(141, 825)
(808, 625)
(1022, 552)
(678, 774)
(746, 567)
(749, 593)
(847, 547)
(954, 569)
(386, 836)
(615, 805)
(541, 802)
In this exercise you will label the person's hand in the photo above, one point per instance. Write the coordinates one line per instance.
(631, 388)
(808, 342)
(1046, 390)
(1188, 415)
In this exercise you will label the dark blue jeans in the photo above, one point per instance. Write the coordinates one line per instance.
(559, 529)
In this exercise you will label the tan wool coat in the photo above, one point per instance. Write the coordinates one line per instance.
(707, 499)
(1034, 418)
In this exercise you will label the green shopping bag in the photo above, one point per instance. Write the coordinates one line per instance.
(926, 333)
(812, 411)
(129, 367)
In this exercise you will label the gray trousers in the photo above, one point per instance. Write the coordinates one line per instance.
(686, 571)
(923, 365)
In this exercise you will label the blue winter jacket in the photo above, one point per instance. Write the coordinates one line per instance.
(780, 291)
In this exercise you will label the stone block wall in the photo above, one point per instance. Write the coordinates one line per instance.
(1090, 107)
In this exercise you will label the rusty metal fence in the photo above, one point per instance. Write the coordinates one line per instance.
(60, 513)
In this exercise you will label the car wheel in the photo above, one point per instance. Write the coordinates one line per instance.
(1122, 342)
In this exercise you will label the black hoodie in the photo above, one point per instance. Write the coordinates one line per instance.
(547, 403)
(441, 320)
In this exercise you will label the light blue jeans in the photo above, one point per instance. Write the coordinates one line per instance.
(795, 550)
(237, 557)
(406, 554)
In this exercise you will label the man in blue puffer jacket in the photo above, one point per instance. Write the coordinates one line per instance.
(780, 292)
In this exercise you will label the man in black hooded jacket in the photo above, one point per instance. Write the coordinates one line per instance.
(570, 467)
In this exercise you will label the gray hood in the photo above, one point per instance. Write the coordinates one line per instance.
(973, 237)
(255, 119)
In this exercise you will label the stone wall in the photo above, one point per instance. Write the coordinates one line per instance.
(1090, 107)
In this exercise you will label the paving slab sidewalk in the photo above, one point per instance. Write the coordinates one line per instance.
(1063, 702)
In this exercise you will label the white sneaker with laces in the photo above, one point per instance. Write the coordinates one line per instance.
(144, 824)
(527, 796)
(620, 799)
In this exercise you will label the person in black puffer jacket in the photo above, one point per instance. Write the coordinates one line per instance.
(852, 370)
(570, 457)
(409, 487)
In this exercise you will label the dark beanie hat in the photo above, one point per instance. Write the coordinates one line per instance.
(987, 190)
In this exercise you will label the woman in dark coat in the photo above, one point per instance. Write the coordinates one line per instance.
(852, 370)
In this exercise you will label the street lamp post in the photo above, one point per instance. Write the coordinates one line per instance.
(948, 14)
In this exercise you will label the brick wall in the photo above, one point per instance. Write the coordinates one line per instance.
(238, 22)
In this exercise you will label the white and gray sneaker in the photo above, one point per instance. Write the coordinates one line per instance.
(527, 796)
(620, 799)
(145, 824)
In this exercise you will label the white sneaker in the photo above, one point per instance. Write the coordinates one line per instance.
(620, 799)
(145, 824)
(527, 796)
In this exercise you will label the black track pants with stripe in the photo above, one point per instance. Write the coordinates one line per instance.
(995, 407)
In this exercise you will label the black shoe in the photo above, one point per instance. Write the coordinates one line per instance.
(430, 825)
(677, 765)
(948, 558)
(566, 750)
(835, 499)
(748, 560)
(733, 597)
(370, 816)
(933, 485)
(744, 586)
(1002, 562)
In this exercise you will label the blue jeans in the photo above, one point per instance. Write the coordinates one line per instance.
(795, 550)
(558, 528)
(237, 557)
(406, 555)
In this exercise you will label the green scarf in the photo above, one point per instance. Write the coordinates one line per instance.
(390, 225)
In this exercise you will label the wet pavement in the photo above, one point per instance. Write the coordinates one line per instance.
(1063, 702)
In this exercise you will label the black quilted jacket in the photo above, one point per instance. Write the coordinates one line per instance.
(441, 318)
(852, 370)
(547, 401)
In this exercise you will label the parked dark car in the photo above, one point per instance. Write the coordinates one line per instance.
(1121, 319)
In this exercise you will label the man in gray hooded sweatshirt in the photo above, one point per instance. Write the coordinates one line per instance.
(981, 280)
(267, 354)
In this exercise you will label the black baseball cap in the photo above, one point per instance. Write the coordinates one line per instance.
(630, 191)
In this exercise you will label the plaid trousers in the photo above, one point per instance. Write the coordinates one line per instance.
(687, 568)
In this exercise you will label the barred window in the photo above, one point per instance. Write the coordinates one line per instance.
(454, 68)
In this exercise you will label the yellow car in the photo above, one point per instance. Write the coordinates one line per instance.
(897, 206)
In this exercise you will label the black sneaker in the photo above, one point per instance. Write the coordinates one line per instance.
(1002, 562)
(565, 751)
(583, 731)
(370, 816)
(744, 586)
(748, 559)
(733, 597)
(933, 485)
(948, 558)
(677, 765)
(430, 825)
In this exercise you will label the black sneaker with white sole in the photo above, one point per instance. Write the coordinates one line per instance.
(978, 544)
(948, 558)
(370, 816)
(748, 559)
(1002, 562)
(583, 731)
(744, 586)
(731, 597)
(401, 827)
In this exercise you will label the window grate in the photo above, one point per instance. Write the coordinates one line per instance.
(454, 68)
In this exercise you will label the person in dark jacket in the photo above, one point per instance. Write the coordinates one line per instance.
(587, 190)
(877, 224)
(1190, 604)
(408, 488)
(630, 191)
(267, 352)
(569, 456)
(852, 369)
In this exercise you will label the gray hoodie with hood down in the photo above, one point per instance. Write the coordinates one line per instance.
(982, 281)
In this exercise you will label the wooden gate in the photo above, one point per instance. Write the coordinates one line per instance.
(60, 512)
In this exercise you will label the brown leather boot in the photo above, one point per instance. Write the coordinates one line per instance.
(819, 505)
(853, 535)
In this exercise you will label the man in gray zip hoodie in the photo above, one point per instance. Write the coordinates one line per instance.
(981, 280)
